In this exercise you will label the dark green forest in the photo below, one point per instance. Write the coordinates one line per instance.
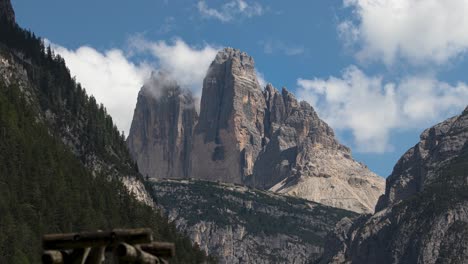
(44, 186)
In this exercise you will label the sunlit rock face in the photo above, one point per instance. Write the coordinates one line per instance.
(263, 138)
(228, 136)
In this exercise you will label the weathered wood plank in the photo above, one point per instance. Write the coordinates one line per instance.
(96, 239)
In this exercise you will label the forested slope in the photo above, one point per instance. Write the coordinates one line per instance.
(62, 158)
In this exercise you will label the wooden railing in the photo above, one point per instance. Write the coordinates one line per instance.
(115, 246)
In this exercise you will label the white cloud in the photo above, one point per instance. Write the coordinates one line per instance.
(110, 77)
(271, 46)
(418, 31)
(114, 80)
(230, 10)
(372, 109)
(186, 64)
(261, 79)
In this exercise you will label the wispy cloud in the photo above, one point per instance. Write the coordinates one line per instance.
(186, 64)
(420, 32)
(273, 46)
(231, 10)
(167, 26)
(115, 80)
(373, 109)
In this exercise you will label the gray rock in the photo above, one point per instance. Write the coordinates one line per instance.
(264, 139)
(160, 137)
(228, 136)
(417, 167)
(241, 225)
(302, 157)
(423, 217)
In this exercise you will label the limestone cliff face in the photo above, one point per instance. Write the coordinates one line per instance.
(423, 217)
(269, 140)
(418, 166)
(160, 137)
(228, 136)
(6, 11)
(241, 225)
(303, 158)
(257, 137)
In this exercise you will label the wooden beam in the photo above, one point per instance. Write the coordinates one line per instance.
(96, 239)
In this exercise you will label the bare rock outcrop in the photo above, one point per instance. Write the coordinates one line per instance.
(247, 135)
(160, 137)
(241, 225)
(303, 158)
(423, 217)
(418, 167)
(228, 136)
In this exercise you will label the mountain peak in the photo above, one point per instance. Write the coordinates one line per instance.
(235, 56)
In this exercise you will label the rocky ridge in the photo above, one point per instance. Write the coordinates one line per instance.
(423, 217)
(241, 225)
(261, 138)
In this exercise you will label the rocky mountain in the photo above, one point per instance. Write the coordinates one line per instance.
(257, 137)
(242, 225)
(303, 158)
(423, 216)
(160, 138)
(228, 136)
(419, 166)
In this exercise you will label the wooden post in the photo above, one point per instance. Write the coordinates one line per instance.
(96, 255)
(128, 253)
(52, 257)
(78, 256)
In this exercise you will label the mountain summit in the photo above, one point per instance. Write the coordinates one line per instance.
(262, 138)
(228, 136)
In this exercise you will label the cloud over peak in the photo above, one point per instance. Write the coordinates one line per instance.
(115, 80)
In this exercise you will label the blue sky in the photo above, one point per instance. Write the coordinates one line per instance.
(378, 71)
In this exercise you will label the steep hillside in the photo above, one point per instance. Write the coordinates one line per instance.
(242, 225)
(423, 216)
(64, 164)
